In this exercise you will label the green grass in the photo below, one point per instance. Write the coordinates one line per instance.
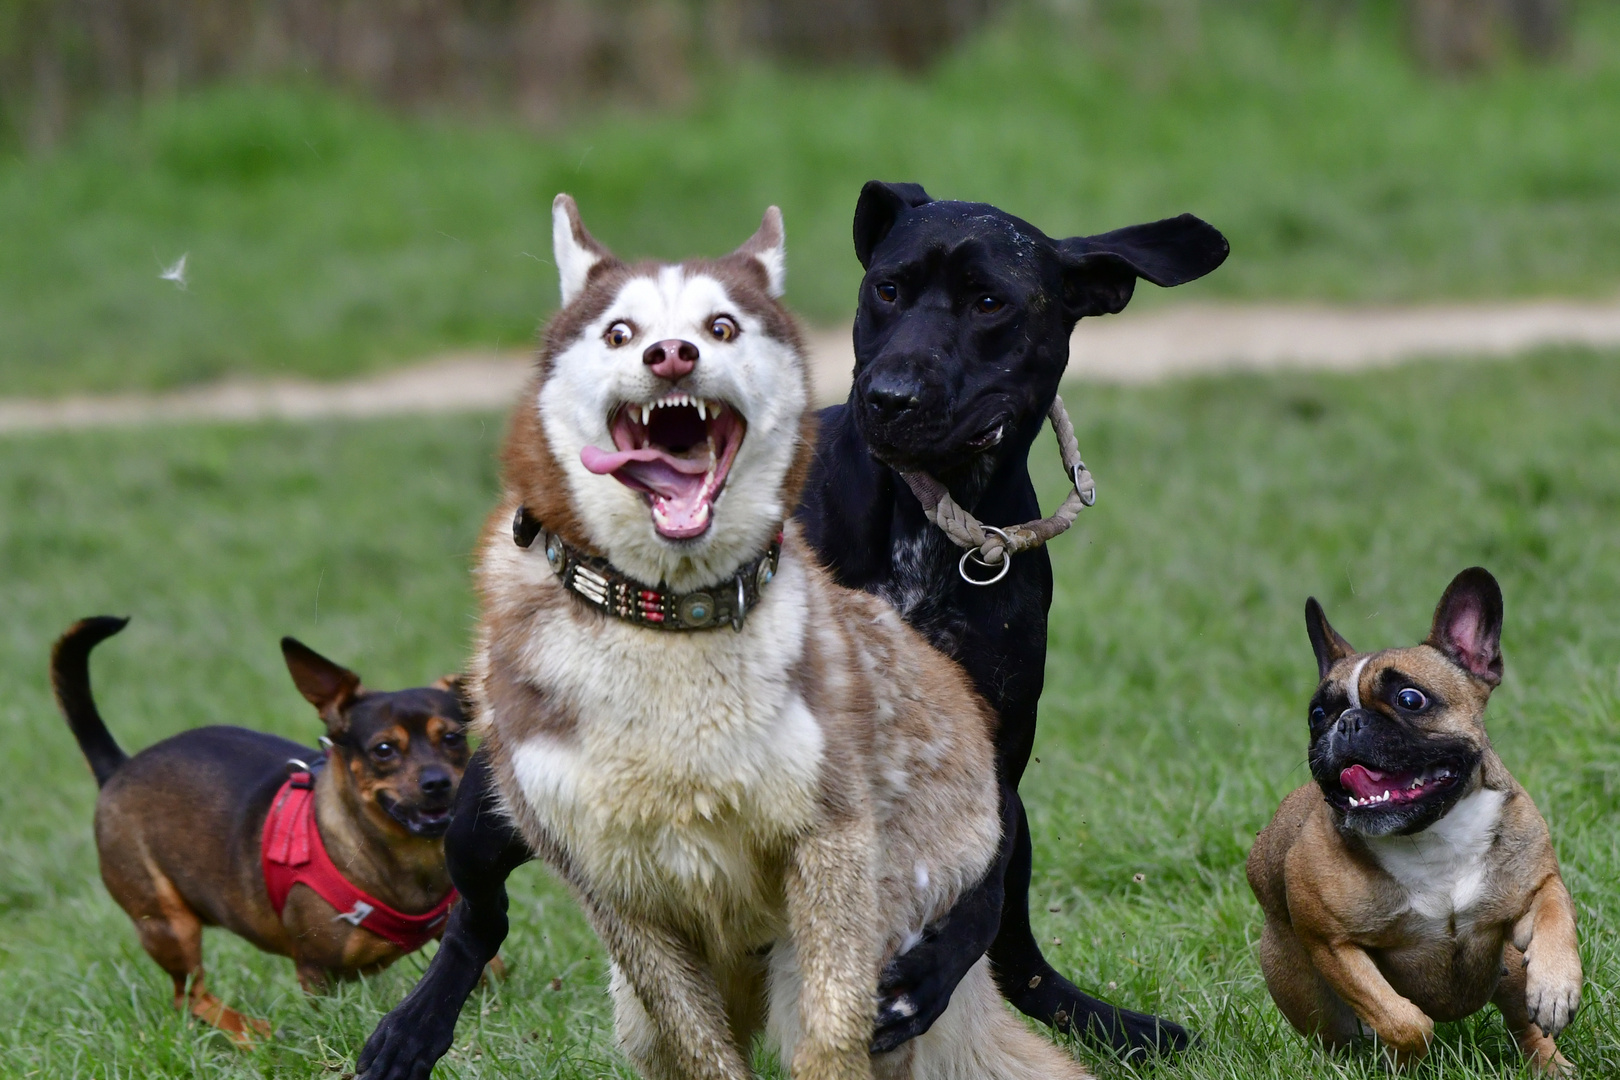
(328, 238)
(1172, 724)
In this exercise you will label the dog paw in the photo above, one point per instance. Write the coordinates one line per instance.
(404, 1047)
(1552, 999)
(1552, 993)
(1406, 1042)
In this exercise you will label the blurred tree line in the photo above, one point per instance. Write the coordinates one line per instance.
(542, 57)
(536, 56)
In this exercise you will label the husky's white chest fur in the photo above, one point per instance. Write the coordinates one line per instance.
(754, 815)
(692, 761)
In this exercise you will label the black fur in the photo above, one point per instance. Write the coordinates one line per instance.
(70, 678)
(961, 336)
(934, 377)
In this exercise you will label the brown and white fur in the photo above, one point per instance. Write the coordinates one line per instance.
(753, 819)
(1414, 880)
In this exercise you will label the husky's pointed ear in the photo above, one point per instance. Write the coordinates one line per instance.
(1326, 643)
(875, 214)
(1100, 272)
(573, 248)
(1468, 624)
(328, 686)
(767, 247)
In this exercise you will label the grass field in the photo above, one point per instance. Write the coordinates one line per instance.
(326, 237)
(1173, 719)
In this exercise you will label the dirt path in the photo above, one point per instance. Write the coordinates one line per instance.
(1133, 347)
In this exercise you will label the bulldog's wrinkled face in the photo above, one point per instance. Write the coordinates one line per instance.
(1397, 736)
(964, 315)
(673, 406)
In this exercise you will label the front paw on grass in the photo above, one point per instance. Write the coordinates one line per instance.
(1552, 999)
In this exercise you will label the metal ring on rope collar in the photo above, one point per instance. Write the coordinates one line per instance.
(968, 532)
(1089, 498)
(973, 553)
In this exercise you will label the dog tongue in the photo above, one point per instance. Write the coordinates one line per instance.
(676, 484)
(1362, 782)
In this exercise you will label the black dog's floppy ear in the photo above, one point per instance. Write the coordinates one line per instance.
(880, 204)
(1468, 624)
(1326, 643)
(1100, 272)
(327, 686)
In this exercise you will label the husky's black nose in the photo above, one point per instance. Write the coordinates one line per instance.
(671, 359)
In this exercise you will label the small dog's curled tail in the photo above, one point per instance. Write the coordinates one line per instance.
(70, 678)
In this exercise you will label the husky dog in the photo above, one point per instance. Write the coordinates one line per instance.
(760, 785)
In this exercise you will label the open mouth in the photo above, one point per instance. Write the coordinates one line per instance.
(676, 451)
(430, 822)
(988, 438)
(1364, 787)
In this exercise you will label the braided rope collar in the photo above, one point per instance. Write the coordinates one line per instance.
(616, 593)
(993, 548)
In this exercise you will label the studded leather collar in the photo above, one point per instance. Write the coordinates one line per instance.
(609, 590)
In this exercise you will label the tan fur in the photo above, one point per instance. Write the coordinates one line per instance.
(174, 878)
(179, 829)
(1350, 950)
(752, 820)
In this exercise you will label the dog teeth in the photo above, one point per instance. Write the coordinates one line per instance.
(705, 407)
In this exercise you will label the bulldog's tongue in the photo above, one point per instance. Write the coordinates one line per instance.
(680, 504)
(1363, 782)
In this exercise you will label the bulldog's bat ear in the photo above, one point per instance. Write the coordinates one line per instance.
(767, 248)
(1100, 272)
(328, 686)
(575, 251)
(880, 205)
(1326, 643)
(1468, 624)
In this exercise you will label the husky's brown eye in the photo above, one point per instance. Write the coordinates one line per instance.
(618, 334)
(888, 292)
(988, 305)
(1411, 700)
(724, 328)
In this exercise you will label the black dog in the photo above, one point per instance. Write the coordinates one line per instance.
(961, 337)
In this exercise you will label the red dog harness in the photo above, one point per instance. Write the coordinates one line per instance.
(294, 854)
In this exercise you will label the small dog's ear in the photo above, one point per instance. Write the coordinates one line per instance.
(1326, 643)
(879, 206)
(1468, 624)
(457, 685)
(327, 686)
(574, 249)
(767, 248)
(1100, 272)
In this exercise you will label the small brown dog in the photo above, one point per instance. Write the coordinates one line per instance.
(1414, 881)
(209, 829)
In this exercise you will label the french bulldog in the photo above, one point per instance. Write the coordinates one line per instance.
(1413, 880)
